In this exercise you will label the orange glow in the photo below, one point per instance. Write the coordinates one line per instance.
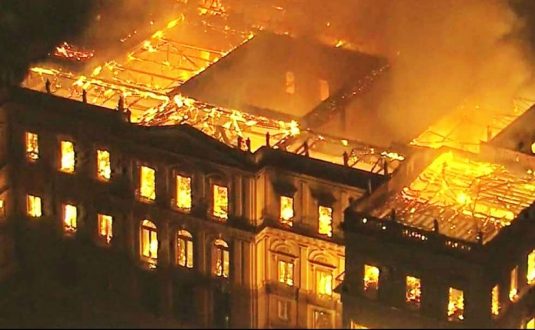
(286, 210)
(184, 249)
(220, 202)
(495, 300)
(324, 283)
(33, 206)
(105, 230)
(70, 214)
(456, 304)
(286, 272)
(290, 82)
(530, 274)
(371, 280)
(324, 89)
(325, 225)
(68, 157)
(183, 193)
(103, 165)
(147, 183)
(533, 147)
(530, 324)
(32, 146)
(149, 242)
(221, 258)
(413, 291)
(513, 289)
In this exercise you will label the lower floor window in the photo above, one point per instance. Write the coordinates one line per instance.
(321, 319)
(283, 307)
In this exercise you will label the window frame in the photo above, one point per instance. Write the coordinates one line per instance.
(147, 225)
(99, 176)
(186, 237)
(61, 167)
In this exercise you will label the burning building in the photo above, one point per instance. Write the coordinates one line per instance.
(230, 172)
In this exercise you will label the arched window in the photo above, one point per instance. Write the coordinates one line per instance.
(149, 242)
(220, 258)
(220, 202)
(184, 249)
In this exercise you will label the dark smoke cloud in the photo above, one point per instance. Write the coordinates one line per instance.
(29, 29)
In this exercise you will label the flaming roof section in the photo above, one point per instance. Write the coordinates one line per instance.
(471, 200)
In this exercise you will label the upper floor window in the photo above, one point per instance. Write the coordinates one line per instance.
(290, 82)
(513, 290)
(371, 281)
(68, 157)
(221, 261)
(147, 183)
(105, 229)
(184, 249)
(220, 202)
(455, 304)
(32, 146)
(286, 210)
(183, 193)
(530, 274)
(149, 242)
(324, 282)
(70, 215)
(324, 89)
(413, 291)
(286, 272)
(325, 226)
(103, 165)
(495, 303)
(33, 206)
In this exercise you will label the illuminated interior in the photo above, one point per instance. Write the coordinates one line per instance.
(324, 282)
(33, 206)
(513, 289)
(495, 308)
(530, 274)
(221, 258)
(456, 304)
(70, 214)
(530, 324)
(184, 249)
(149, 242)
(472, 192)
(287, 210)
(103, 165)
(286, 272)
(220, 202)
(371, 280)
(413, 291)
(183, 193)
(325, 223)
(105, 230)
(32, 146)
(68, 157)
(355, 325)
(147, 183)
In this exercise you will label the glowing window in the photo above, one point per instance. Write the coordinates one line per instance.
(321, 320)
(531, 268)
(530, 324)
(355, 325)
(221, 259)
(283, 307)
(325, 221)
(324, 283)
(32, 146)
(413, 291)
(220, 207)
(371, 280)
(70, 214)
(324, 89)
(33, 206)
(287, 210)
(68, 157)
(183, 193)
(149, 242)
(103, 165)
(456, 304)
(184, 249)
(286, 272)
(513, 290)
(495, 306)
(105, 230)
(147, 183)
(290, 82)
(2, 208)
